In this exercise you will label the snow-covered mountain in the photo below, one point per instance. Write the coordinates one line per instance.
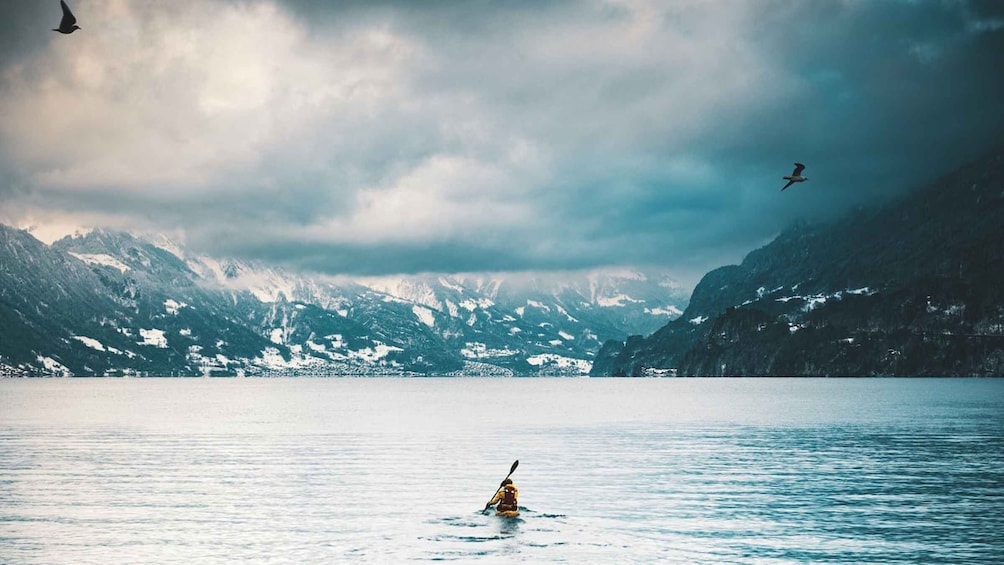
(114, 303)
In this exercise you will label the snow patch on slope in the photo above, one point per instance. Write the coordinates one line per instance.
(473, 304)
(102, 259)
(566, 364)
(414, 291)
(615, 301)
(172, 306)
(424, 315)
(373, 354)
(664, 311)
(53, 366)
(447, 283)
(816, 300)
(90, 342)
(153, 337)
(266, 285)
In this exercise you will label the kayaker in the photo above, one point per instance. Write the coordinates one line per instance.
(506, 498)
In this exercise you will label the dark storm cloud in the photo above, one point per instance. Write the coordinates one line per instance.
(882, 97)
(456, 256)
(22, 28)
(381, 137)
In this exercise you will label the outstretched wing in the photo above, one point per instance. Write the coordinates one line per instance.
(68, 19)
(798, 170)
(791, 182)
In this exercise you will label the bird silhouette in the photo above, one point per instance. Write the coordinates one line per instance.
(69, 22)
(796, 176)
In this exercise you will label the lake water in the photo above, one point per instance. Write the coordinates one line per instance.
(396, 470)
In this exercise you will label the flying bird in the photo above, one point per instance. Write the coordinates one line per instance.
(796, 176)
(69, 22)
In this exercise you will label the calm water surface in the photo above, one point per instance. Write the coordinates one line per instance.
(394, 470)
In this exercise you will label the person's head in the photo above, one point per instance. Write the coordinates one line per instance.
(507, 482)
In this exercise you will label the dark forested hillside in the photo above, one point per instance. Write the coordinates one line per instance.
(911, 288)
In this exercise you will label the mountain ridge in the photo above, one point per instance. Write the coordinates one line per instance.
(113, 303)
(907, 288)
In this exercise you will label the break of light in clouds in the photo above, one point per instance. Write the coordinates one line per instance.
(381, 137)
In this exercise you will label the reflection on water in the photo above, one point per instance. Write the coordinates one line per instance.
(391, 470)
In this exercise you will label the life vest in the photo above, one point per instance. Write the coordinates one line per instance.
(508, 501)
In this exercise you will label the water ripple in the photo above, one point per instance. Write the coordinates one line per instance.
(332, 471)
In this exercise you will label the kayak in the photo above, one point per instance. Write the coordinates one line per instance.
(507, 513)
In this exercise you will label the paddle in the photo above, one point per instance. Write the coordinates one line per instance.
(511, 469)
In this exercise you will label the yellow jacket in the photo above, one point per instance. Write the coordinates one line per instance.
(498, 499)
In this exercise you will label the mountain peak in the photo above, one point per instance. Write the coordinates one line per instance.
(119, 303)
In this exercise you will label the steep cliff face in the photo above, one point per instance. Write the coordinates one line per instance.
(911, 288)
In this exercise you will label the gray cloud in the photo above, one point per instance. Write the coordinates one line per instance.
(381, 137)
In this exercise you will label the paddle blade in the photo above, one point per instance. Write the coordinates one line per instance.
(514, 465)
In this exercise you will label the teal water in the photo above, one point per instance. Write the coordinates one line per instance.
(395, 470)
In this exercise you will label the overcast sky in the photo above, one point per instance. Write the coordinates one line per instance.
(388, 137)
